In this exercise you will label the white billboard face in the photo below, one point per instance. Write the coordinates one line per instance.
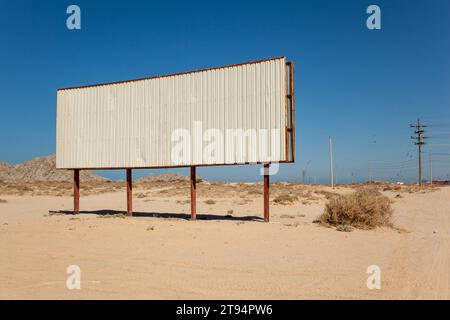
(228, 115)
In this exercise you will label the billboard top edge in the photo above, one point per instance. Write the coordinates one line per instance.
(171, 75)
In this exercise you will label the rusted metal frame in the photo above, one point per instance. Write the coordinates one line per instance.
(289, 128)
(292, 111)
(286, 103)
(76, 191)
(193, 182)
(173, 74)
(266, 192)
(193, 194)
(129, 192)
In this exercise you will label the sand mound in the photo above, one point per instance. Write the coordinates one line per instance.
(41, 169)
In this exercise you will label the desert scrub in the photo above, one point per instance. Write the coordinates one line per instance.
(363, 209)
(327, 194)
(285, 199)
(209, 201)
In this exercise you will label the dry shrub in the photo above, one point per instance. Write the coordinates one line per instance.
(344, 228)
(392, 187)
(3, 201)
(285, 199)
(210, 201)
(310, 197)
(363, 209)
(327, 194)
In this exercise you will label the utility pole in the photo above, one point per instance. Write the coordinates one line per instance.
(419, 142)
(369, 170)
(331, 163)
(430, 168)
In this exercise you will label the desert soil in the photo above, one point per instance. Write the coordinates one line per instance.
(160, 254)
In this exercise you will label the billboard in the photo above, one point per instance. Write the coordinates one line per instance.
(236, 114)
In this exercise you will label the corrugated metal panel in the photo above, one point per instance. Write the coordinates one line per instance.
(130, 124)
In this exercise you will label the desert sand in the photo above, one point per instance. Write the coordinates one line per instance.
(228, 253)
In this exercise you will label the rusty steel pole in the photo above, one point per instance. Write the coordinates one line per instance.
(266, 192)
(129, 193)
(193, 194)
(76, 191)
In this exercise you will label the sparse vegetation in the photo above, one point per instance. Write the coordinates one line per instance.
(363, 209)
(3, 201)
(230, 212)
(392, 187)
(210, 201)
(285, 199)
(327, 194)
(254, 192)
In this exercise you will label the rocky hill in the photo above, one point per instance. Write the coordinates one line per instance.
(42, 169)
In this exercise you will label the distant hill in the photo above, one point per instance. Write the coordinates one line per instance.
(42, 169)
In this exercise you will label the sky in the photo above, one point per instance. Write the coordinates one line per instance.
(362, 87)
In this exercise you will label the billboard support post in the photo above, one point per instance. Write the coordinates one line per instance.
(76, 191)
(129, 193)
(193, 194)
(266, 192)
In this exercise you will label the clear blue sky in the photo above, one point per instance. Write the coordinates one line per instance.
(362, 87)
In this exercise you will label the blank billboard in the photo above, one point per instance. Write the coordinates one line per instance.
(234, 114)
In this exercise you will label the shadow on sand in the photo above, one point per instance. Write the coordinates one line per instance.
(184, 216)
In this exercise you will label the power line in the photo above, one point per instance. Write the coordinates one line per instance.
(419, 131)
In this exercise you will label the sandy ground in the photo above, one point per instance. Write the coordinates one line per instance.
(159, 254)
